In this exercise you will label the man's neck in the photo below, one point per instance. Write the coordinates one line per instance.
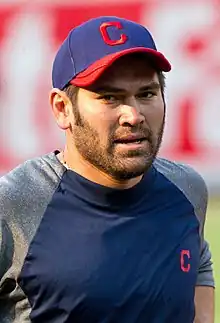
(76, 163)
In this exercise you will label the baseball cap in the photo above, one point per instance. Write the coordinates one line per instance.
(93, 46)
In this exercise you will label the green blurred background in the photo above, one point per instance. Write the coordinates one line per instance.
(212, 235)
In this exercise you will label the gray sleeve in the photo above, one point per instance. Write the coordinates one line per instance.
(24, 195)
(200, 200)
(205, 273)
(194, 188)
(6, 247)
(6, 238)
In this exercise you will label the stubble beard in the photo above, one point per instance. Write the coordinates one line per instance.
(116, 165)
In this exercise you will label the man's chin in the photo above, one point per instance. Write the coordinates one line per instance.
(132, 169)
(127, 175)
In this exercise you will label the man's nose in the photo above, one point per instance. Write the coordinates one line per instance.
(131, 115)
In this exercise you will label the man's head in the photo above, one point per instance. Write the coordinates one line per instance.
(113, 109)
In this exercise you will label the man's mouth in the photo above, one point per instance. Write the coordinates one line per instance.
(132, 139)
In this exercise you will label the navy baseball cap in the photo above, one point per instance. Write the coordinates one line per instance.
(93, 46)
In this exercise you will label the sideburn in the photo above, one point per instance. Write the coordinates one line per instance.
(78, 119)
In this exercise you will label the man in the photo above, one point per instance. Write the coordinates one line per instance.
(104, 231)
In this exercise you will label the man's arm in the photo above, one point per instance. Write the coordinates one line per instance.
(204, 302)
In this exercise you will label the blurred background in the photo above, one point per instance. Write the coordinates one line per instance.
(188, 32)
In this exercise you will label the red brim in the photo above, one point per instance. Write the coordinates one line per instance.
(94, 71)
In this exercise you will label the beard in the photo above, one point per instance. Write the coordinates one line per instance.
(117, 164)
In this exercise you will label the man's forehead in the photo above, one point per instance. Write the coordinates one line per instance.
(126, 82)
(132, 69)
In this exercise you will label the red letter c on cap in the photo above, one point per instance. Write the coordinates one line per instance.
(103, 29)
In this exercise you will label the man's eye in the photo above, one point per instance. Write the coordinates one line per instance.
(146, 95)
(108, 98)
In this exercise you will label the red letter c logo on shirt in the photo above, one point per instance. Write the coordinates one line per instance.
(104, 32)
(184, 260)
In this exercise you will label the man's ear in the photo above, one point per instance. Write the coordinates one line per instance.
(61, 107)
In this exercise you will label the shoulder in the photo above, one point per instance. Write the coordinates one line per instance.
(181, 174)
(25, 193)
(189, 181)
(29, 184)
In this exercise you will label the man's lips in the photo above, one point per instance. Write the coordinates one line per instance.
(129, 139)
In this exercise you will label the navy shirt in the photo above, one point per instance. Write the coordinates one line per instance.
(82, 252)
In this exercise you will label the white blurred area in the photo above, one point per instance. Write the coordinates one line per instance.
(187, 32)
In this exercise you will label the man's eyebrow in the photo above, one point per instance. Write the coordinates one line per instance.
(108, 89)
(151, 86)
(112, 89)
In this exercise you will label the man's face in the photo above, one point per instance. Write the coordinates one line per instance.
(118, 121)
